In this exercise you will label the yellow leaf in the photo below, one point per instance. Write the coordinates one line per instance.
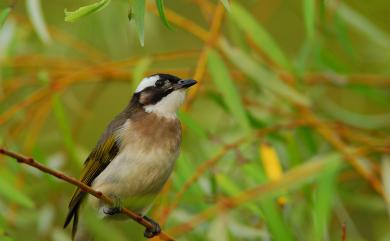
(272, 166)
(270, 161)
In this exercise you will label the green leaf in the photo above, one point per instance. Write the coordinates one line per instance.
(139, 17)
(139, 71)
(261, 75)
(36, 16)
(11, 193)
(275, 221)
(323, 196)
(225, 84)
(160, 8)
(362, 24)
(71, 16)
(226, 4)
(373, 121)
(65, 129)
(259, 35)
(3, 15)
(342, 34)
(232, 189)
(310, 21)
(193, 125)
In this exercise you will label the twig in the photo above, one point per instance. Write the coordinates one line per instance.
(344, 232)
(31, 162)
(206, 165)
(294, 176)
(200, 70)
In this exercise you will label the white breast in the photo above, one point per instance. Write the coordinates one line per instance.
(138, 172)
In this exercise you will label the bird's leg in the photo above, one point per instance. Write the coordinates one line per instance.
(115, 208)
(153, 231)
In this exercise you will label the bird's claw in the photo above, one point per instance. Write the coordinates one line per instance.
(154, 230)
(111, 210)
(115, 209)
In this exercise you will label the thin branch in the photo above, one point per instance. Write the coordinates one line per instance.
(31, 162)
(200, 70)
(206, 165)
(290, 178)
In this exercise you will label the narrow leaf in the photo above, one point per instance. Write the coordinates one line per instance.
(323, 196)
(309, 13)
(261, 75)
(225, 84)
(36, 16)
(65, 129)
(273, 216)
(270, 161)
(193, 125)
(12, 194)
(361, 23)
(161, 12)
(374, 121)
(232, 189)
(259, 35)
(3, 15)
(71, 16)
(226, 4)
(139, 17)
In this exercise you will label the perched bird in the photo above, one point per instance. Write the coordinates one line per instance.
(135, 155)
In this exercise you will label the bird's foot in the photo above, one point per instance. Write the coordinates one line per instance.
(153, 231)
(115, 209)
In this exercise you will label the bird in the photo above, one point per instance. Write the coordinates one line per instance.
(134, 156)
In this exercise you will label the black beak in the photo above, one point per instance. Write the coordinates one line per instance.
(184, 84)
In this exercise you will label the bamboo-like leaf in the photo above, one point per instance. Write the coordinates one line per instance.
(268, 205)
(139, 17)
(362, 24)
(3, 15)
(218, 229)
(225, 84)
(161, 12)
(261, 75)
(71, 16)
(11, 193)
(193, 125)
(270, 161)
(226, 4)
(342, 34)
(323, 196)
(36, 16)
(259, 34)
(310, 18)
(229, 187)
(376, 121)
(63, 124)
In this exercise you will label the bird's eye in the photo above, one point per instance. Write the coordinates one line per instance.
(159, 83)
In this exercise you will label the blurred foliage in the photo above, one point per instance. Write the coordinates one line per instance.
(286, 136)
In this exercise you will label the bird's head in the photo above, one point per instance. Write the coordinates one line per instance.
(162, 94)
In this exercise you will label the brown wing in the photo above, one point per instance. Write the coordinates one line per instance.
(96, 162)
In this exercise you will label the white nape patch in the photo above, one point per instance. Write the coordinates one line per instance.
(168, 105)
(146, 82)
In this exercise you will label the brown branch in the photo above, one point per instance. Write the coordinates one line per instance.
(344, 232)
(200, 70)
(290, 178)
(31, 162)
(206, 165)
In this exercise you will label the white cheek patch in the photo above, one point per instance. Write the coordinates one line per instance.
(168, 105)
(146, 82)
